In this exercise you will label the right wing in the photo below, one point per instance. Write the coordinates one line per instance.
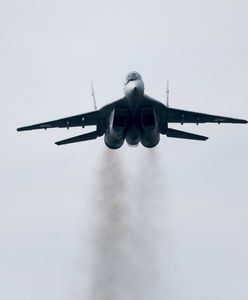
(82, 120)
(184, 116)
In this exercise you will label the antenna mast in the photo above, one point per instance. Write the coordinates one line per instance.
(93, 95)
(167, 93)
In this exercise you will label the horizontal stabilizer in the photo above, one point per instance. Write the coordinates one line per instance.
(184, 135)
(80, 138)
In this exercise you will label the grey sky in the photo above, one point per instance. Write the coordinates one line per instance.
(49, 52)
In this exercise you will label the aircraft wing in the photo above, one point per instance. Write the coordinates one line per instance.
(82, 120)
(184, 116)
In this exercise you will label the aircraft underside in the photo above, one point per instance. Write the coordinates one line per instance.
(141, 127)
(136, 118)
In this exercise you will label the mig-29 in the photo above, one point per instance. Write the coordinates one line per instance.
(134, 118)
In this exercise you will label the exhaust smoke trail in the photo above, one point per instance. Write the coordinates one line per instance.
(127, 229)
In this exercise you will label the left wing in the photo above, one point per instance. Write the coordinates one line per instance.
(184, 116)
(97, 117)
(82, 120)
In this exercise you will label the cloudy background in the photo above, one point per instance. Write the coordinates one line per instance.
(175, 226)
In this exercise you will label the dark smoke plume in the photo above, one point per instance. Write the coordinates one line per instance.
(127, 229)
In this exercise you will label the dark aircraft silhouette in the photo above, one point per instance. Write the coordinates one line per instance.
(135, 118)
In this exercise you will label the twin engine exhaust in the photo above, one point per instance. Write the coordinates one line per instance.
(143, 128)
(115, 134)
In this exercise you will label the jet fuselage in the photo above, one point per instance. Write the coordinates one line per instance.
(134, 122)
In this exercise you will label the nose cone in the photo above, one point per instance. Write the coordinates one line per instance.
(134, 89)
(133, 85)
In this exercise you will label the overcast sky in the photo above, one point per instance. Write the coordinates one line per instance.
(184, 204)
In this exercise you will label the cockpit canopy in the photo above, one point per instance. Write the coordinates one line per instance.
(132, 76)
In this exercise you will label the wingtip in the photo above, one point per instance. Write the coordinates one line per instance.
(243, 121)
(23, 128)
(59, 143)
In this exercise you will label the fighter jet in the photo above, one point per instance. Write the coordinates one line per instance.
(135, 118)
